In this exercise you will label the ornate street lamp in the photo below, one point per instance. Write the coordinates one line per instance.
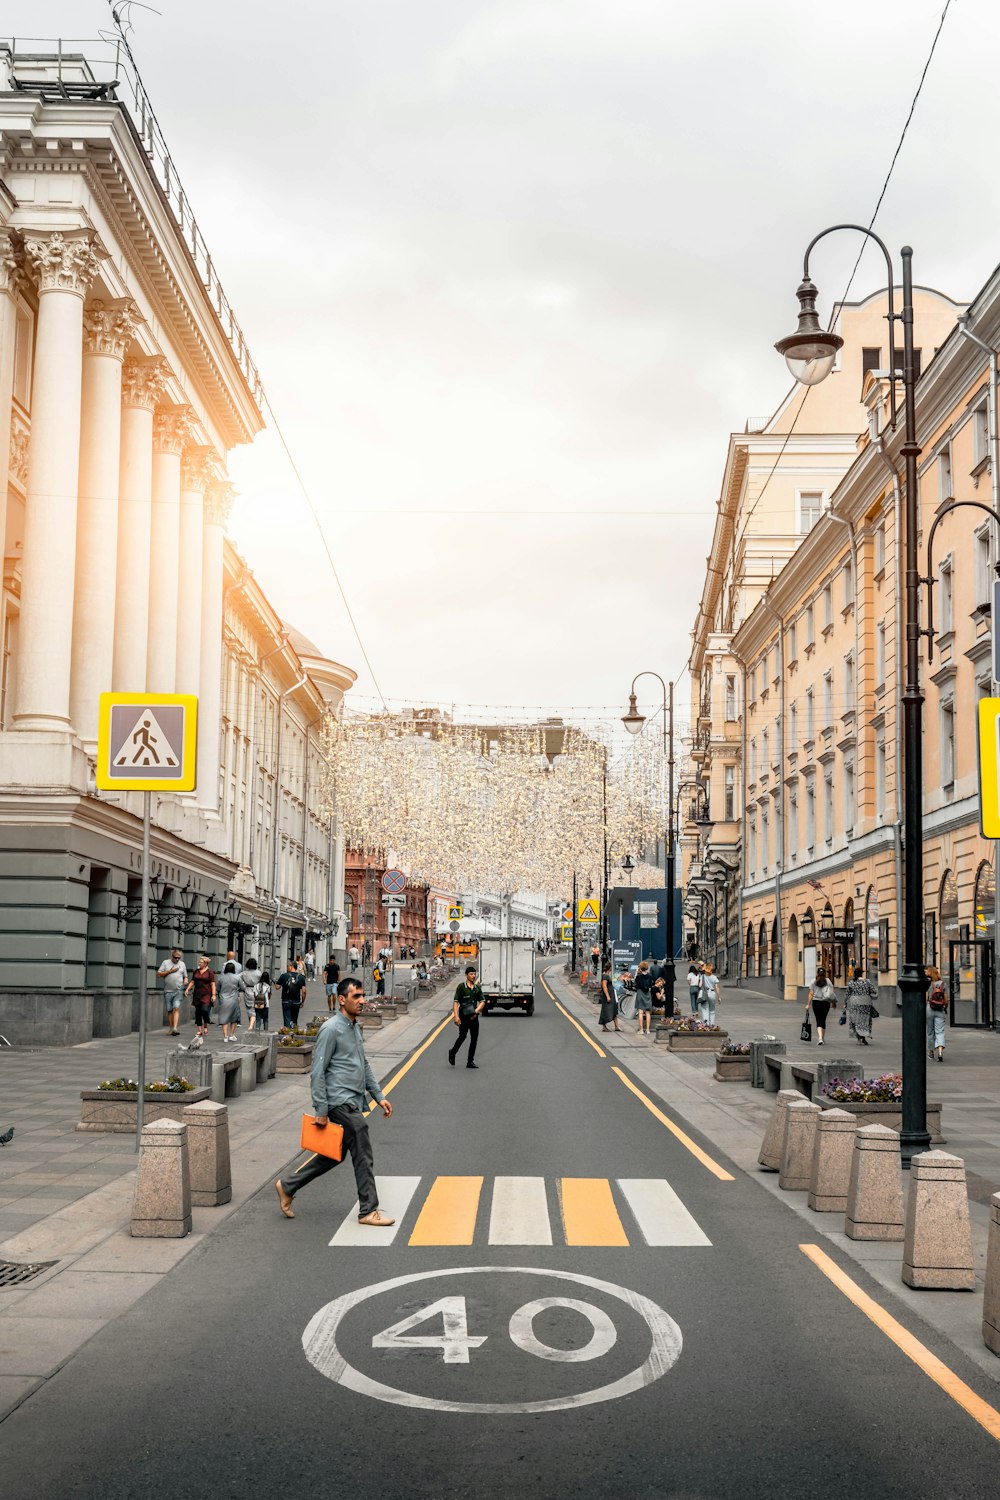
(810, 353)
(633, 721)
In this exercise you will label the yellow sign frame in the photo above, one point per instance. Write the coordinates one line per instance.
(185, 780)
(989, 767)
(456, 913)
(588, 909)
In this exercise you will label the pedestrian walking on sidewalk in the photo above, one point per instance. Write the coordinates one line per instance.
(937, 1007)
(174, 974)
(609, 1001)
(708, 994)
(248, 983)
(861, 997)
(694, 985)
(261, 1002)
(355, 957)
(201, 988)
(821, 997)
(331, 978)
(466, 1008)
(342, 1082)
(229, 1002)
(292, 985)
(378, 974)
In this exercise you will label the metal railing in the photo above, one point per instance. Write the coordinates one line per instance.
(66, 69)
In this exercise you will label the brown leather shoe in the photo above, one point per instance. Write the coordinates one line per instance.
(284, 1200)
(377, 1219)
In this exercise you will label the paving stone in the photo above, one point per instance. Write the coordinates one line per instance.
(88, 1293)
(37, 1346)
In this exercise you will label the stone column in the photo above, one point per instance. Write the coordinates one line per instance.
(107, 329)
(197, 472)
(10, 275)
(142, 388)
(218, 504)
(64, 266)
(171, 433)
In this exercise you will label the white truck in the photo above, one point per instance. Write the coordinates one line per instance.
(507, 973)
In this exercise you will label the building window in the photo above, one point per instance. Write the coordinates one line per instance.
(945, 491)
(871, 359)
(827, 699)
(880, 547)
(24, 328)
(880, 654)
(810, 625)
(793, 821)
(946, 609)
(752, 839)
(828, 806)
(810, 816)
(880, 779)
(753, 760)
(917, 353)
(729, 794)
(827, 607)
(849, 682)
(730, 696)
(753, 684)
(810, 509)
(848, 796)
(793, 727)
(763, 752)
(792, 643)
(947, 743)
(848, 583)
(980, 434)
(983, 566)
(810, 714)
(765, 838)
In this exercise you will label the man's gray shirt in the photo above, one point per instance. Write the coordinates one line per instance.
(340, 1070)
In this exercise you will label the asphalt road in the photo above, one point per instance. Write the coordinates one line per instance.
(602, 1314)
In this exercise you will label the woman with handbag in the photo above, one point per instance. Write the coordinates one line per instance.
(861, 1009)
(822, 997)
(937, 1006)
(609, 1001)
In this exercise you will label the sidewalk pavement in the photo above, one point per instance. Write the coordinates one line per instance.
(733, 1117)
(67, 1197)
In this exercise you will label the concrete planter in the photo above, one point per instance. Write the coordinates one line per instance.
(113, 1113)
(732, 1069)
(295, 1059)
(695, 1041)
(886, 1114)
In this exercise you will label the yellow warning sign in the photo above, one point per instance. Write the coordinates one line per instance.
(588, 910)
(989, 767)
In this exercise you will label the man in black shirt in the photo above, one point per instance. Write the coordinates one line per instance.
(331, 978)
(292, 985)
(465, 1012)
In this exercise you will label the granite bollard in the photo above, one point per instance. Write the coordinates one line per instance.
(759, 1048)
(774, 1137)
(833, 1151)
(194, 1065)
(795, 1171)
(161, 1208)
(875, 1192)
(208, 1154)
(937, 1241)
(991, 1298)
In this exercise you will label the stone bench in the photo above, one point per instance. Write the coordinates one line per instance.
(810, 1079)
(223, 1073)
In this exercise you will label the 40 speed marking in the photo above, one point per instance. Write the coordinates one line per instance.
(320, 1345)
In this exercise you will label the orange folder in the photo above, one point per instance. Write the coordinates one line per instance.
(328, 1141)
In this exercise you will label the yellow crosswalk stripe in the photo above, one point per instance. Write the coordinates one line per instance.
(448, 1216)
(589, 1213)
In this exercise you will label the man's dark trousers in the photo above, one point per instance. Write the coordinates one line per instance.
(356, 1141)
(468, 1026)
(290, 1011)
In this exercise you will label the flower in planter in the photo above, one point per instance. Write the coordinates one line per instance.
(735, 1049)
(887, 1088)
(175, 1084)
(692, 1024)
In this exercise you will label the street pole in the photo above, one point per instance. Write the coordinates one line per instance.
(572, 958)
(143, 970)
(669, 971)
(604, 894)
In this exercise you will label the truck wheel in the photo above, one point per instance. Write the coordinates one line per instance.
(529, 1009)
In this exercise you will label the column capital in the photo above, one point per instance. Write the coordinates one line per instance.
(219, 497)
(199, 468)
(11, 260)
(143, 382)
(173, 428)
(108, 327)
(63, 260)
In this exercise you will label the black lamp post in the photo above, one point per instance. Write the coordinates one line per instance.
(809, 354)
(633, 721)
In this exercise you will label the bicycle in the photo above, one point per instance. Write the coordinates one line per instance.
(626, 1005)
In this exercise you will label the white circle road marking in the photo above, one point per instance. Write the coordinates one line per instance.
(319, 1343)
(603, 1335)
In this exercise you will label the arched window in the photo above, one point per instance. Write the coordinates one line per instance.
(873, 953)
(750, 951)
(762, 968)
(853, 956)
(985, 909)
(948, 914)
(775, 940)
(808, 946)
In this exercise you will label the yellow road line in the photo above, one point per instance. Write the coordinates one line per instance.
(979, 1410)
(411, 1060)
(572, 1021)
(589, 1213)
(448, 1216)
(685, 1140)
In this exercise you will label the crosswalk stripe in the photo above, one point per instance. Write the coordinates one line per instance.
(660, 1214)
(395, 1195)
(589, 1213)
(448, 1216)
(519, 1212)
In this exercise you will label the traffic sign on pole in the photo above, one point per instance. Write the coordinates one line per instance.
(989, 767)
(393, 881)
(147, 742)
(455, 913)
(388, 900)
(394, 920)
(588, 910)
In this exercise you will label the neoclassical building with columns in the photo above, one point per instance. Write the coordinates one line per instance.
(125, 380)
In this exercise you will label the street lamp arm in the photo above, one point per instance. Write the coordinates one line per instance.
(944, 511)
(659, 679)
(870, 235)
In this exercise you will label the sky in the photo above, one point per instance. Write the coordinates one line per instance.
(512, 271)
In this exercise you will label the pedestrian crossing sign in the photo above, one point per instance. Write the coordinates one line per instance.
(455, 913)
(588, 910)
(147, 742)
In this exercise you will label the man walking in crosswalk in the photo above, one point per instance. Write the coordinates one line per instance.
(467, 1007)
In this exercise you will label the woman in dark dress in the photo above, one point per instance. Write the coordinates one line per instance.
(609, 1004)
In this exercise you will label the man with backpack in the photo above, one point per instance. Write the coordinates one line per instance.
(292, 984)
(937, 1005)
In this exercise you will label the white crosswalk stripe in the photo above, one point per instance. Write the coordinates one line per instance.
(519, 1214)
(660, 1214)
(395, 1194)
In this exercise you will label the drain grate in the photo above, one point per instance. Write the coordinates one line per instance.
(13, 1273)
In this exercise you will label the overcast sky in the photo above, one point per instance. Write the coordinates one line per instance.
(530, 256)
